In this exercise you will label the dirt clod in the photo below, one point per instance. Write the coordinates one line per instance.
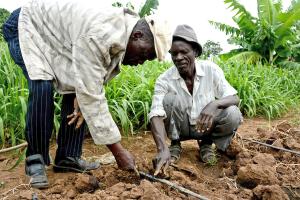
(270, 192)
(27, 194)
(291, 144)
(254, 174)
(86, 183)
(264, 159)
(233, 149)
(283, 126)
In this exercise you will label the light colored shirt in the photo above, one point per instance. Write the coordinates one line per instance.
(79, 46)
(209, 84)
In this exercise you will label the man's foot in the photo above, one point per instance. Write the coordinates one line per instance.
(175, 151)
(207, 154)
(71, 164)
(35, 169)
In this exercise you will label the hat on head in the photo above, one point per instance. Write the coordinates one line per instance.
(162, 35)
(187, 33)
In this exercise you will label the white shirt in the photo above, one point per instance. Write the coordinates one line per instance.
(79, 46)
(209, 84)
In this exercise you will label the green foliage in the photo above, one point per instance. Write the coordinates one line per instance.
(130, 95)
(13, 98)
(4, 14)
(273, 35)
(148, 7)
(264, 90)
(211, 48)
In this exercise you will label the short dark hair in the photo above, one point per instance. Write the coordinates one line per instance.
(143, 26)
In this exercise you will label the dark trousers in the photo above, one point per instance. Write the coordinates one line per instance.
(179, 128)
(40, 110)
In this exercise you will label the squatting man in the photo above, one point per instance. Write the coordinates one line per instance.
(192, 100)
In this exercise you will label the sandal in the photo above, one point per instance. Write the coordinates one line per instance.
(175, 151)
(207, 154)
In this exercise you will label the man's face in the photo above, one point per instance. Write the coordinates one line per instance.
(183, 56)
(138, 51)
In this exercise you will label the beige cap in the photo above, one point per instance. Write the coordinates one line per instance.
(161, 34)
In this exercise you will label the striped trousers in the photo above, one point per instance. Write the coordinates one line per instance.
(40, 108)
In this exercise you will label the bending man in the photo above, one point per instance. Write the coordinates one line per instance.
(76, 47)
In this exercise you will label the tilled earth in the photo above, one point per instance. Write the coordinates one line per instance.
(246, 171)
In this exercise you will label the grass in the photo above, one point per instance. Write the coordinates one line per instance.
(263, 90)
(130, 94)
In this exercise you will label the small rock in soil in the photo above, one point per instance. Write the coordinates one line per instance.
(246, 194)
(283, 126)
(278, 143)
(231, 197)
(264, 159)
(270, 192)
(242, 159)
(26, 194)
(86, 183)
(291, 143)
(150, 192)
(233, 149)
(253, 174)
(71, 194)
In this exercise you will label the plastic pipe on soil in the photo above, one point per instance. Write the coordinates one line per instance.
(14, 147)
(274, 147)
(173, 185)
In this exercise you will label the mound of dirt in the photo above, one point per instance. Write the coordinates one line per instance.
(270, 192)
(245, 171)
(264, 159)
(252, 175)
(145, 191)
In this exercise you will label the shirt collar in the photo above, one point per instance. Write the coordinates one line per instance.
(199, 72)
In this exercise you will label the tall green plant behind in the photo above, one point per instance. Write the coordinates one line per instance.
(271, 37)
(147, 9)
(4, 14)
(129, 95)
(13, 101)
(263, 89)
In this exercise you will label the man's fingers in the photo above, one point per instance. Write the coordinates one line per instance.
(167, 164)
(70, 116)
(158, 167)
(73, 120)
(201, 123)
(79, 122)
(209, 123)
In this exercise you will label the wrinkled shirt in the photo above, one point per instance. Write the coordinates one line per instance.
(78, 46)
(209, 84)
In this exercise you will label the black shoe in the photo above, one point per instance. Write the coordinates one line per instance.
(71, 164)
(35, 169)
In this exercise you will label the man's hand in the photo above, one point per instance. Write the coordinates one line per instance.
(124, 158)
(162, 160)
(76, 115)
(207, 117)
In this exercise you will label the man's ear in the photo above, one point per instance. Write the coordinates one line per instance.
(138, 34)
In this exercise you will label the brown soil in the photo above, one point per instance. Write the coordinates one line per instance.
(246, 171)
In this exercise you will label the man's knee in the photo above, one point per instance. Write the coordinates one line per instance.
(229, 119)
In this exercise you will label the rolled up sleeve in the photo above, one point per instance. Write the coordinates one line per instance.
(89, 58)
(160, 91)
